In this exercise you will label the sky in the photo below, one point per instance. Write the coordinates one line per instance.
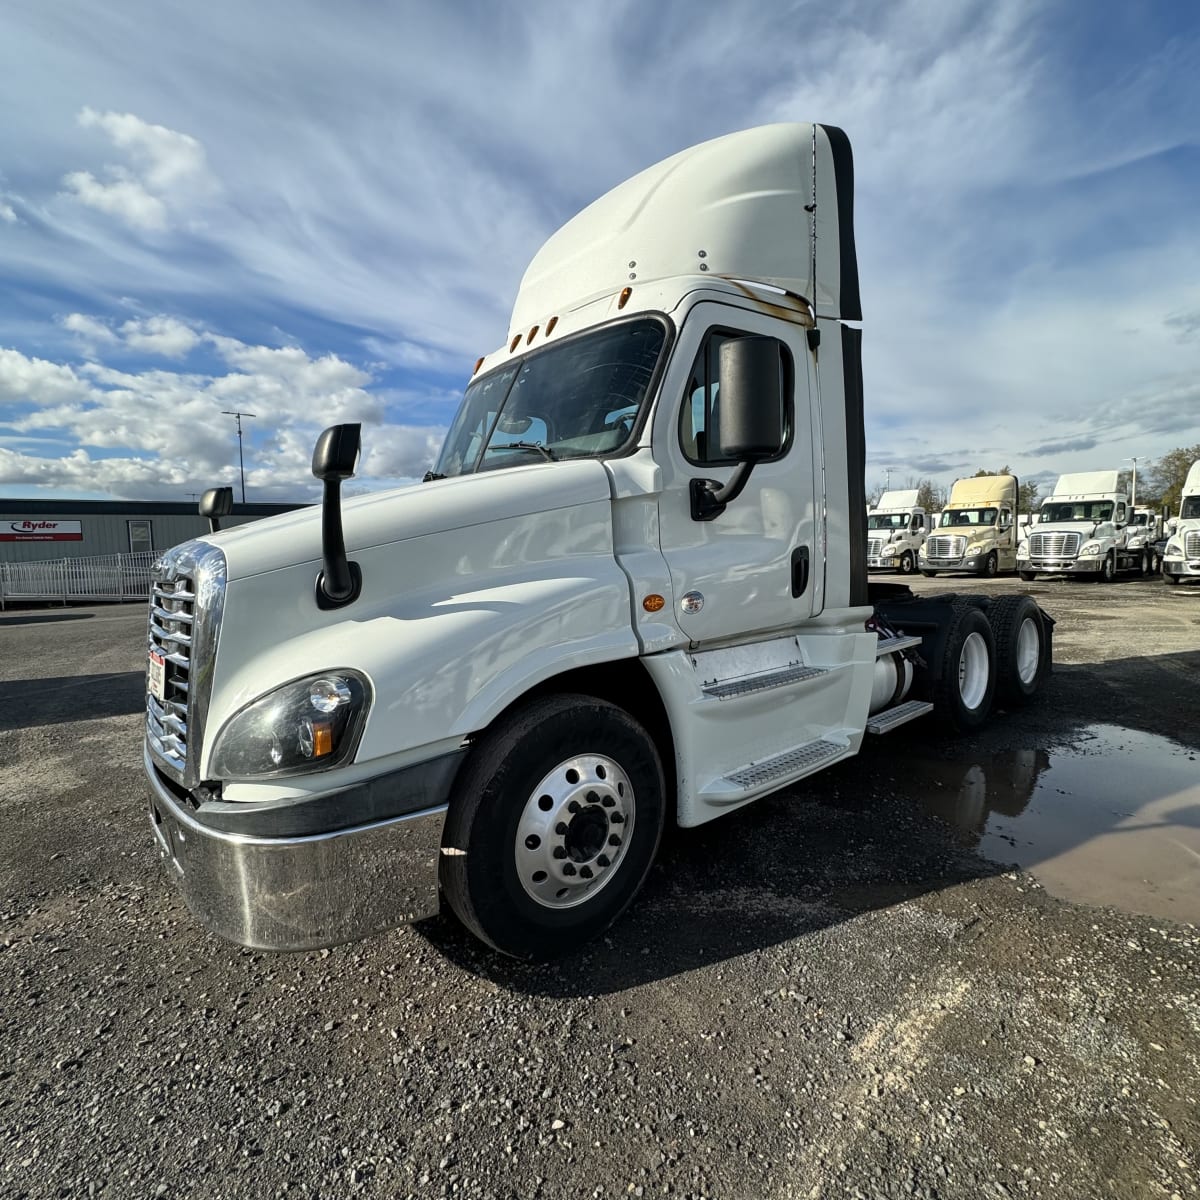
(317, 213)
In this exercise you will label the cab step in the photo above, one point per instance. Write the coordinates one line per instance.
(892, 718)
(745, 685)
(892, 644)
(790, 762)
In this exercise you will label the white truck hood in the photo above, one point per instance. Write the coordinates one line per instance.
(414, 511)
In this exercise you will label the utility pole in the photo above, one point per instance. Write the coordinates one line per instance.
(241, 466)
(889, 479)
(1133, 484)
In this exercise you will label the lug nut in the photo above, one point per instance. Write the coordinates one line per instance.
(573, 807)
(614, 840)
(602, 861)
(560, 852)
(608, 802)
(592, 798)
(617, 819)
(561, 829)
(585, 872)
(569, 869)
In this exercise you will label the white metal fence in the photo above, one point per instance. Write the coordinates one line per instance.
(105, 577)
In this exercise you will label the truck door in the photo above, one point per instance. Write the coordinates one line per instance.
(758, 566)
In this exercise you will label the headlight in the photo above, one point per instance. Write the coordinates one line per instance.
(311, 724)
(888, 551)
(1174, 548)
(1089, 549)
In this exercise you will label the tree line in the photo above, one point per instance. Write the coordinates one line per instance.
(1159, 484)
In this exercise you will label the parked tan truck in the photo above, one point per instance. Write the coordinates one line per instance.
(977, 529)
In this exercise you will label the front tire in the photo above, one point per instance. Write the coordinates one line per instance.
(1022, 649)
(553, 826)
(1109, 571)
(991, 566)
(1028, 576)
(929, 574)
(1172, 579)
(962, 695)
(907, 563)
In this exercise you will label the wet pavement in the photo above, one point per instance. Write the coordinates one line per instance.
(1111, 819)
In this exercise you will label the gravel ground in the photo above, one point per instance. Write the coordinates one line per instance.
(822, 995)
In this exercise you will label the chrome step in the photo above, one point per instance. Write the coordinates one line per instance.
(779, 677)
(788, 763)
(892, 718)
(892, 644)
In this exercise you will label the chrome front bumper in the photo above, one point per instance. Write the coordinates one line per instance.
(299, 893)
(1073, 566)
(1182, 567)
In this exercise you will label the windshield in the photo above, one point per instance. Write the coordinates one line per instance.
(1191, 508)
(579, 399)
(887, 521)
(1140, 519)
(1078, 510)
(968, 516)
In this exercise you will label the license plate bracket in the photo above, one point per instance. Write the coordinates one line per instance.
(157, 677)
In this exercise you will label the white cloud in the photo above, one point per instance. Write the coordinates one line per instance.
(160, 335)
(7, 212)
(169, 429)
(88, 328)
(169, 171)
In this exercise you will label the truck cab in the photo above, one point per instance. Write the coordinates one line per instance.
(976, 531)
(631, 590)
(1144, 532)
(896, 530)
(1181, 557)
(1083, 528)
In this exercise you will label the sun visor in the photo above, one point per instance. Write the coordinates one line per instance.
(765, 204)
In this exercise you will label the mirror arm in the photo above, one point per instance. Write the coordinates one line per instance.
(709, 497)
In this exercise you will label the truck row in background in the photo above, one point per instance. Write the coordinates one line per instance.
(1086, 526)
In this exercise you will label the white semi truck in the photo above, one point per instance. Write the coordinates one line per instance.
(1082, 528)
(976, 531)
(896, 531)
(632, 590)
(1181, 558)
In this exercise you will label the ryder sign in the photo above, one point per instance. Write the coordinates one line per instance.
(34, 529)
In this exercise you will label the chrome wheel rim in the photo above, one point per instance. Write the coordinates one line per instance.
(973, 671)
(574, 831)
(1029, 650)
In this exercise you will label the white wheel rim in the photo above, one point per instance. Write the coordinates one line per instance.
(574, 831)
(1029, 650)
(974, 671)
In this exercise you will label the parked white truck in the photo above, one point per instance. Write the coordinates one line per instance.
(896, 531)
(632, 590)
(1181, 558)
(1082, 528)
(976, 531)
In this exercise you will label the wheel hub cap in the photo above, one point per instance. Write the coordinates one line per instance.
(574, 830)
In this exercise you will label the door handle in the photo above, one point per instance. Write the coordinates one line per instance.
(799, 571)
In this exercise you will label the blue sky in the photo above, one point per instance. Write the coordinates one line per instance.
(319, 212)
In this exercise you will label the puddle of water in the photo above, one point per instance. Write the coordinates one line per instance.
(1113, 820)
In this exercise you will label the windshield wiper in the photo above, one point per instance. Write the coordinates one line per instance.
(540, 447)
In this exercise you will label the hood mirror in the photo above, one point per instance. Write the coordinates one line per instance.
(215, 504)
(334, 459)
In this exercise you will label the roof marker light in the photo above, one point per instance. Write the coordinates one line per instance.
(531, 335)
(623, 298)
(550, 324)
(514, 343)
(478, 364)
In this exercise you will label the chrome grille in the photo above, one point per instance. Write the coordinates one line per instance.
(1191, 543)
(1053, 545)
(172, 616)
(187, 601)
(945, 547)
(874, 546)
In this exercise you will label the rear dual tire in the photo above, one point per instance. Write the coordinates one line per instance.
(1022, 649)
(966, 684)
